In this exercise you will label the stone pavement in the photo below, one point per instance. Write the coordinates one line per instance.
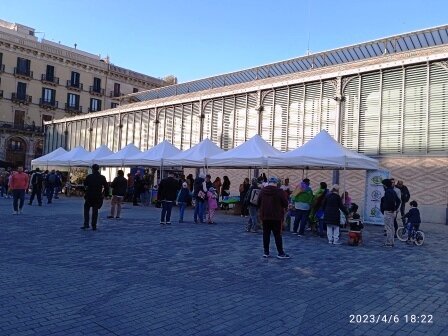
(134, 277)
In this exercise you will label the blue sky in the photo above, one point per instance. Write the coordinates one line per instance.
(193, 39)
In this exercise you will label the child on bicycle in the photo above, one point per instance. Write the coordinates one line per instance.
(413, 219)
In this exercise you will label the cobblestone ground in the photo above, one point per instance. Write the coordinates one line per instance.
(134, 277)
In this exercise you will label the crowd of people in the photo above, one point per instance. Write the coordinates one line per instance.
(275, 203)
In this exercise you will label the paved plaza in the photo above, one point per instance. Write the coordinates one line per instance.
(135, 277)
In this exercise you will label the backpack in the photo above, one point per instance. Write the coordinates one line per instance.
(253, 198)
(52, 179)
(37, 179)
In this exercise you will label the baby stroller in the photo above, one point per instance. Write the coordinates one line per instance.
(356, 226)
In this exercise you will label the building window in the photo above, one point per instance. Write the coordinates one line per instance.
(72, 101)
(75, 79)
(21, 90)
(134, 90)
(117, 90)
(23, 66)
(113, 105)
(48, 96)
(97, 84)
(19, 119)
(95, 105)
(16, 145)
(49, 73)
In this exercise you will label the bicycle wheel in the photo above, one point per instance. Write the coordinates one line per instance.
(402, 234)
(419, 238)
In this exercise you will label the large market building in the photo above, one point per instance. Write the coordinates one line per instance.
(386, 98)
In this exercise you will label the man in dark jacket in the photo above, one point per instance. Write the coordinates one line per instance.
(37, 180)
(199, 194)
(96, 186)
(119, 187)
(273, 203)
(390, 203)
(167, 193)
(405, 197)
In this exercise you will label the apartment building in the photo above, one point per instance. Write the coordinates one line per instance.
(41, 81)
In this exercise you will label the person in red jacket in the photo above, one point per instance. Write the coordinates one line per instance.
(272, 202)
(18, 184)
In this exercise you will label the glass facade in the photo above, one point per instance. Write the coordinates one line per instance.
(401, 110)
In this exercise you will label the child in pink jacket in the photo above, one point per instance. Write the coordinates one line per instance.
(212, 202)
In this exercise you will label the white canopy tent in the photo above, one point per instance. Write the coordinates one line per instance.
(196, 156)
(117, 159)
(68, 159)
(153, 157)
(44, 160)
(323, 152)
(252, 153)
(93, 157)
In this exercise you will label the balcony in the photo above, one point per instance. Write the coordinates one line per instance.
(74, 86)
(21, 99)
(51, 80)
(20, 127)
(96, 91)
(48, 104)
(23, 73)
(2, 68)
(73, 109)
(91, 110)
(114, 94)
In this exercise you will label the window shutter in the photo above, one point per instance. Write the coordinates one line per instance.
(169, 114)
(267, 116)
(186, 127)
(350, 117)
(217, 122)
(240, 120)
(328, 108)
(177, 136)
(252, 115)
(280, 119)
(196, 124)
(369, 113)
(438, 106)
(390, 140)
(228, 123)
(295, 116)
(312, 110)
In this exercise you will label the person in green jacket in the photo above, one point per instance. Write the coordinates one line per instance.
(302, 198)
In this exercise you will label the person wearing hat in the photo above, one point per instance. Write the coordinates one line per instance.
(96, 187)
(332, 207)
(183, 198)
(167, 193)
(272, 202)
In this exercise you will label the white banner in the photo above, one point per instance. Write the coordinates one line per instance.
(373, 194)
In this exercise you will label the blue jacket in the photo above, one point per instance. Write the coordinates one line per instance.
(413, 216)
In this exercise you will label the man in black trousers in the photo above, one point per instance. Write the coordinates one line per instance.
(96, 186)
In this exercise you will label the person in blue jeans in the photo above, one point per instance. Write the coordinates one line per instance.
(167, 193)
(413, 219)
(302, 198)
(183, 198)
(199, 193)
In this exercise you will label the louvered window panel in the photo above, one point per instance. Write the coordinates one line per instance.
(208, 115)
(329, 108)
(137, 129)
(112, 128)
(438, 109)
(295, 116)
(415, 110)
(104, 136)
(390, 139)
(217, 121)
(83, 134)
(280, 119)
(252, 115)
(369, 113)
(161, 125)
(350, 116)
(240, 120)
(196, 124)
(267, 116)
(177, 127)
(228, 122)
(96, 133)
(186, 126)
(312, 110)
(169, 115)
(59, 137)
(130, 129)
(146, 143)
(152, 127)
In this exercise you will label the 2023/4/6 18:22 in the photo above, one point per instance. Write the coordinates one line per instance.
(391, 318)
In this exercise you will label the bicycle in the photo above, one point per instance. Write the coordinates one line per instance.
(417, 236)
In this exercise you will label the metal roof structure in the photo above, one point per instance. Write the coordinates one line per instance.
(395, 44)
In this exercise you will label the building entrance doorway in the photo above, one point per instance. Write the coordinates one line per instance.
(16, 151)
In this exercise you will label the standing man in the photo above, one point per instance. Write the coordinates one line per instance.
(96, 187)
(390, 203)
(37, 180)
(273, 203)
(398, 192)
(167, 194)
(405, 197)
(19, 182)
(119, 186)
(50, 184)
